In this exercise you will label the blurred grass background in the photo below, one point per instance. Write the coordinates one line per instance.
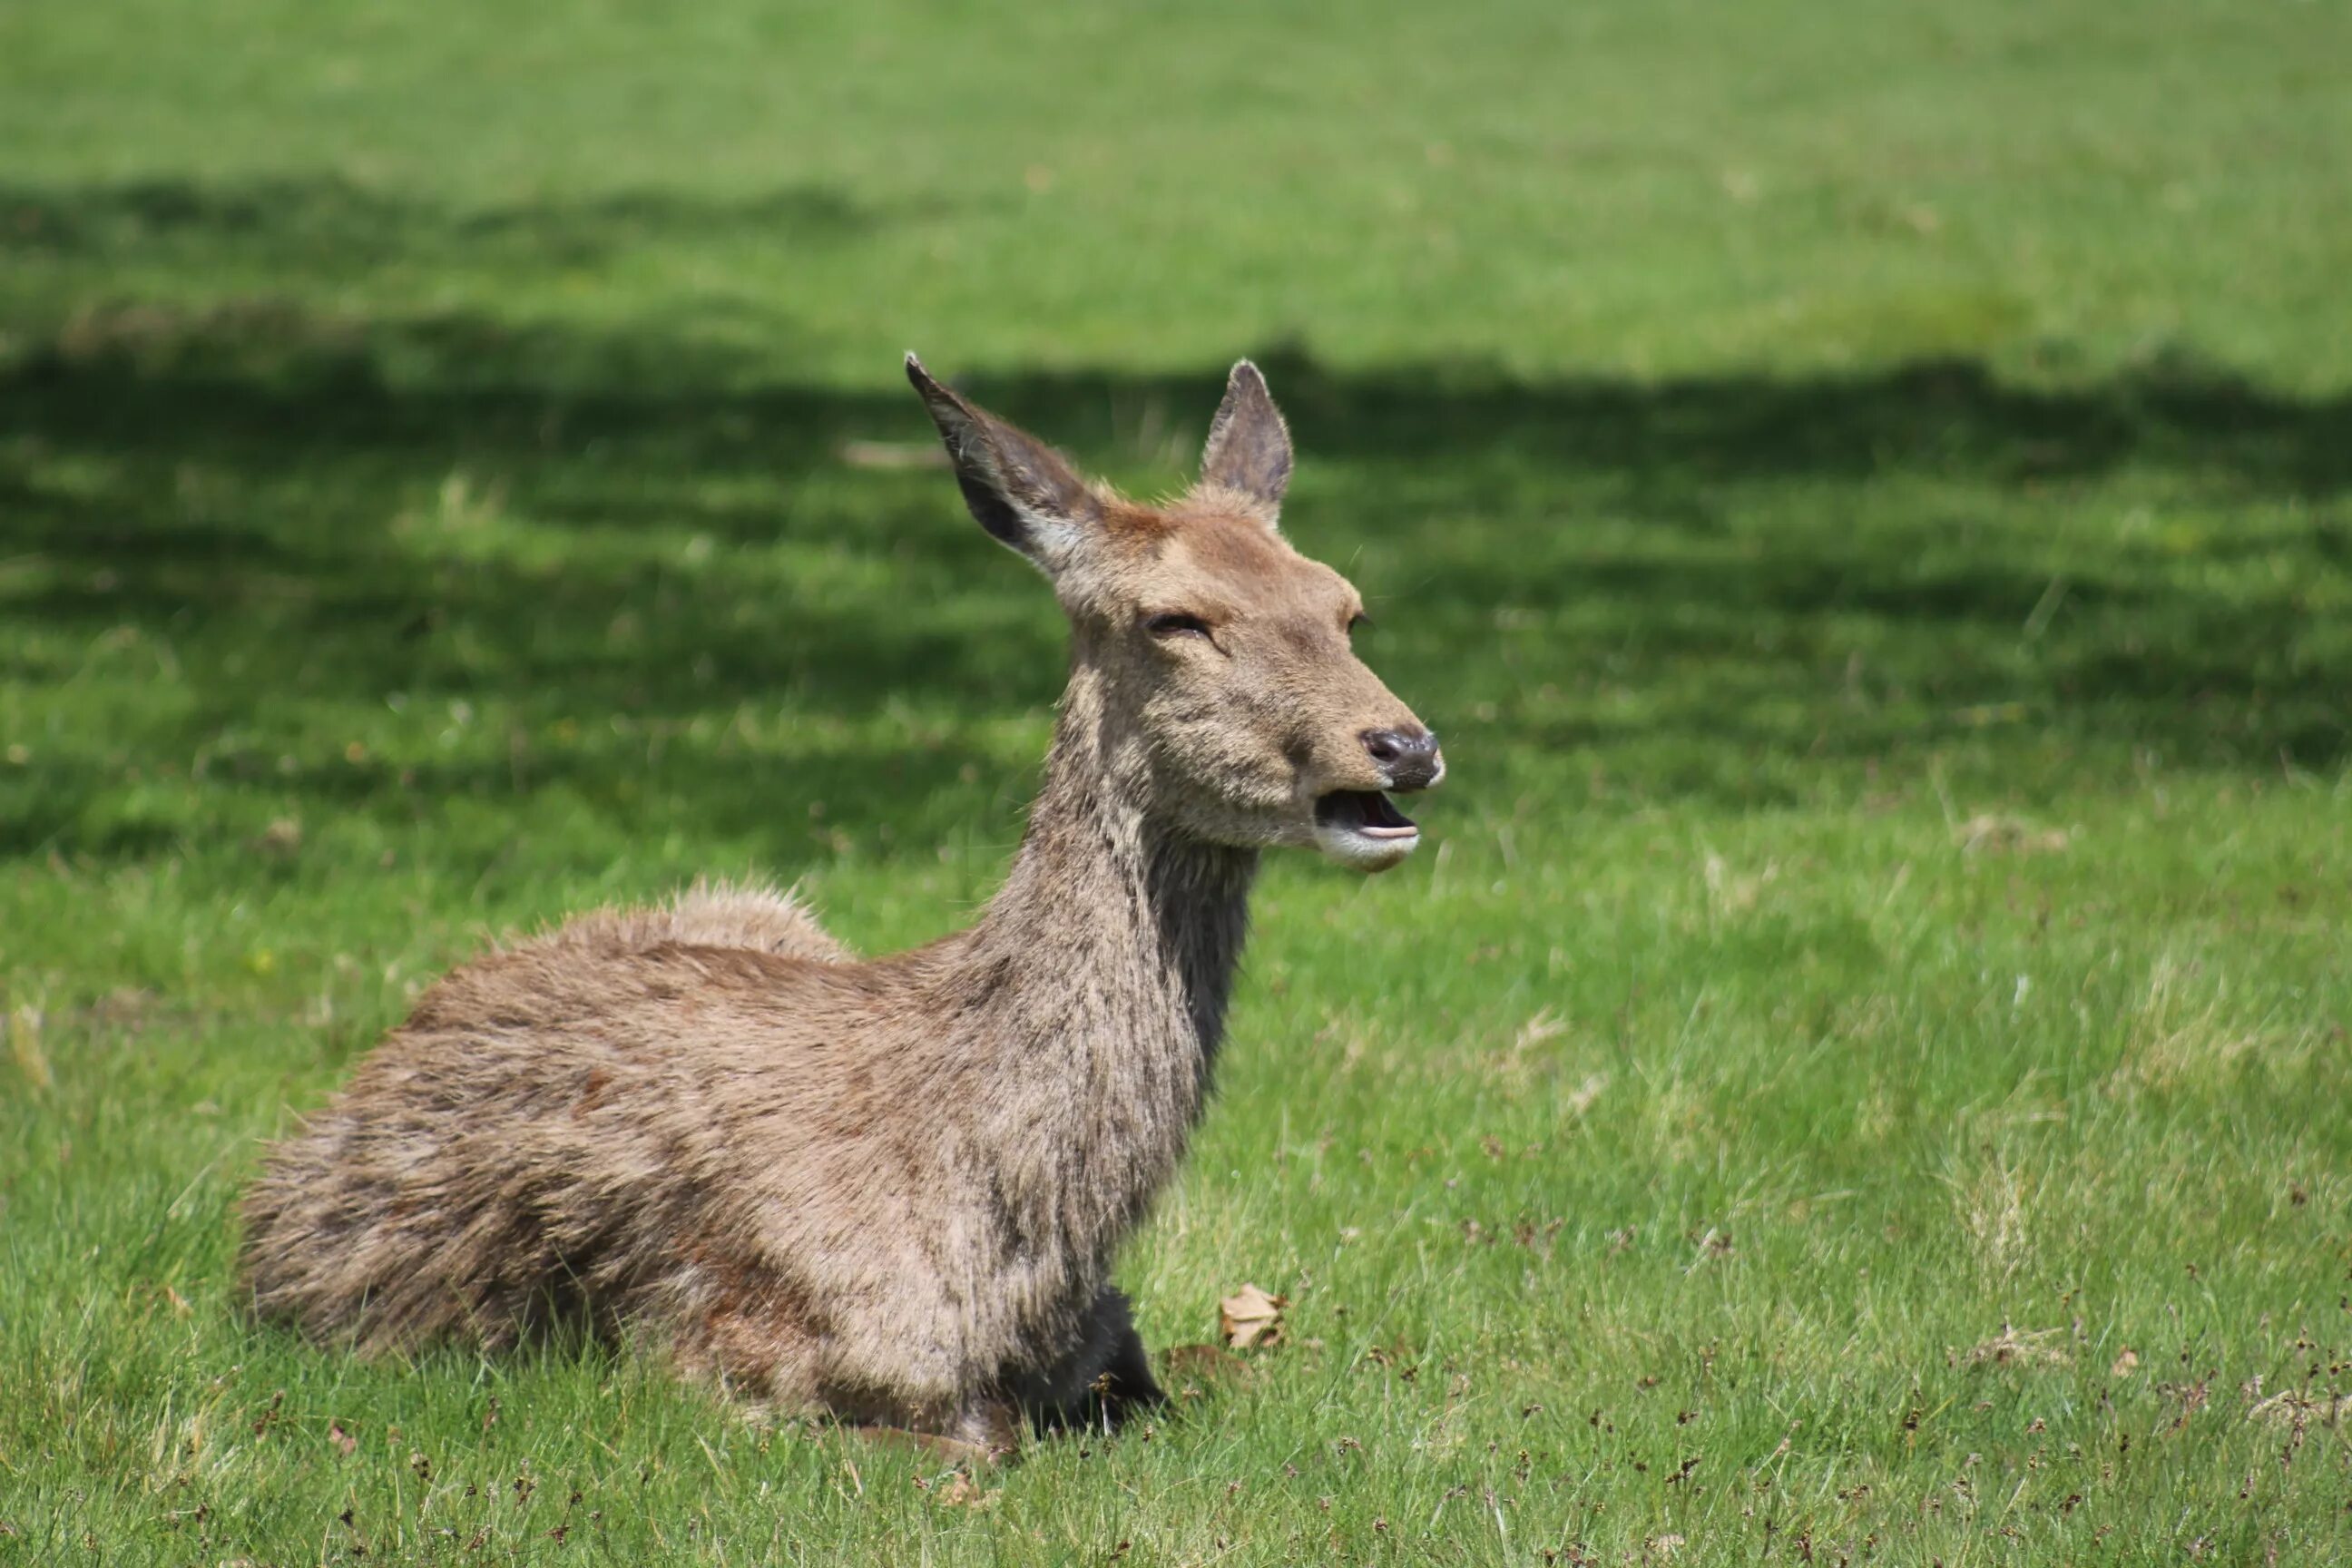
(1862, 496)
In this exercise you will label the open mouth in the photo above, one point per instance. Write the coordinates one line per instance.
(1364, 811)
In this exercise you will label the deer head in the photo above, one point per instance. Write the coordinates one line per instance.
(1223, 653)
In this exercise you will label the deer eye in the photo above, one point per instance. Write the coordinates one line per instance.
(1175, 624)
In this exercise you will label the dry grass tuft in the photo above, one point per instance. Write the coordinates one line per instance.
(2296, 1409)
(2029, 1348)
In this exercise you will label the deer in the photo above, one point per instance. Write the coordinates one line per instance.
(887, 1193)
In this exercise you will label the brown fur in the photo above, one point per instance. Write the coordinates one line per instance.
(889, 1191)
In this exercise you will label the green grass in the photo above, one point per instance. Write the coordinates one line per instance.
(1863, 496)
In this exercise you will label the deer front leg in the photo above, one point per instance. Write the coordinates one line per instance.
(1104, 1380)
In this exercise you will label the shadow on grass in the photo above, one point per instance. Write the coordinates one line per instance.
(326, 515)
(334, 224)
(275, 379)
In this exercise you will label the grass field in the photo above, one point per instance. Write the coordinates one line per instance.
(1861, 1075)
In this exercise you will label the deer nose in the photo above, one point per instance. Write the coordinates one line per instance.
(1409, 757)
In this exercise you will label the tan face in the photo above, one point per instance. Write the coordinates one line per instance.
(1225, 650)
(1264, 726)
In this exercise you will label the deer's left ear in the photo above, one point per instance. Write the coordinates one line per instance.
(1022, 490)
(1248, 450)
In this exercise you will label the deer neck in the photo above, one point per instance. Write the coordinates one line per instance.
(1099, 973)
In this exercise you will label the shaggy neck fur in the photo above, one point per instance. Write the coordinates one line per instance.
(1096, 984)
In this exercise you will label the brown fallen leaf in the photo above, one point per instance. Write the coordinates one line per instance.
(2126, 1364)
(1250, 1319)
(930, 1445)
(345, 1443)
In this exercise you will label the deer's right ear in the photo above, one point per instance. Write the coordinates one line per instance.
(1249, 446)
(1022, 490)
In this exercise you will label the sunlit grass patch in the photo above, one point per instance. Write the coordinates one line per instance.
(1854, 1075)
